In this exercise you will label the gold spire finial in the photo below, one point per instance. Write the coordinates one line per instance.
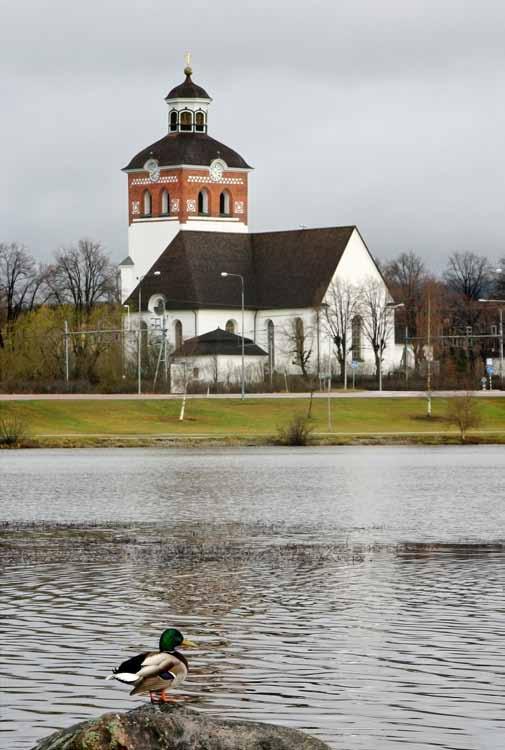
(188, 70)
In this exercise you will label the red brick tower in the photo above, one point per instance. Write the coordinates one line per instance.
(185, 181)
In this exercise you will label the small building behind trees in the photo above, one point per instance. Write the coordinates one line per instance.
(215, 359)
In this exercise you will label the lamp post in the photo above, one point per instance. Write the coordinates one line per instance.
(500, 312)
(387, 306)
(239, 276)
(124, 340)
(127, 308)
(140, 279)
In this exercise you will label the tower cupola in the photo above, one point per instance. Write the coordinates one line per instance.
(187, 106)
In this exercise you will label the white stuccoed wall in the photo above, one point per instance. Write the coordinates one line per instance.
(356, 267)
(196, 322)
(212, 224)
(146, 242)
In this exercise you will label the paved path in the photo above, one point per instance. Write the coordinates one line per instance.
(179, 437)
(249, 396)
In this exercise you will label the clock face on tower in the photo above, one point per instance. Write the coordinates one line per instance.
(153, 168)
(216, 170)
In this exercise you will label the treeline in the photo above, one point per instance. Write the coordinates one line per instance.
(463, 329)
(78, 288)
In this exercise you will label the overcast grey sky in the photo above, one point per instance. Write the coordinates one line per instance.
(388, 114)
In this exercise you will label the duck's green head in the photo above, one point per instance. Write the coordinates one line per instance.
(171, 638)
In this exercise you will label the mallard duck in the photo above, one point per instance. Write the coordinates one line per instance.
(154, 672)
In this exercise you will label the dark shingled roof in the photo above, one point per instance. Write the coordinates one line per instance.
(187, 90)
(281, 269)
(187, 148)
(218, 342)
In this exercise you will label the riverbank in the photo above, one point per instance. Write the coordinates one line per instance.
(148, 422)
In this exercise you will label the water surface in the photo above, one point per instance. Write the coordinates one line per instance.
(356, 593)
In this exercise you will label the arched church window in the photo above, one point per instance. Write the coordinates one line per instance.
(148, 203)
(356, 330)
(159, 306)
(200, 122)
(173, 120)
(271, 345)
(230, 326)
(203, 202)
(224, 203)
(178, 334)
(186, 120)
(165, 202)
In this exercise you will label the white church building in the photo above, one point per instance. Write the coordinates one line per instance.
(188, 225)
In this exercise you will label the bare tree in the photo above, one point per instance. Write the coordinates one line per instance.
(377, 318)
(299, 339)
(467, 277)
(406, 277)
(468, 274)
(83, 276)
(342, 305)
(20, 279)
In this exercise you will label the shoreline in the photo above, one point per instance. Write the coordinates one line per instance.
(490, 437)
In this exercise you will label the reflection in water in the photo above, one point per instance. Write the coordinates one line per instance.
(349, 634)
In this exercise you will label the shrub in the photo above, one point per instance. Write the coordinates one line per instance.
(13, 430)
(296, 432)
(463, 412)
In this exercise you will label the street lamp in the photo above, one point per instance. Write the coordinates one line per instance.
(139, 333)
(124, 340)
(127, 308)
(387, 306)
(500, 312)
(239, 276)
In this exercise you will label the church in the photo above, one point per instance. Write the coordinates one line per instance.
(196, 273)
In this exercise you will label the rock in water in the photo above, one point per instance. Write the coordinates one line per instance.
(174, 727)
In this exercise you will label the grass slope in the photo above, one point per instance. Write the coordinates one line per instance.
(234, 418)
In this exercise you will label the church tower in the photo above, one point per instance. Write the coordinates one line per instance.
(185, 181)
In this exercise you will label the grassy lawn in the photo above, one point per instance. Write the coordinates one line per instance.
(228, 418)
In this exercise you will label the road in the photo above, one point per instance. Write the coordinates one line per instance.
(249, 396)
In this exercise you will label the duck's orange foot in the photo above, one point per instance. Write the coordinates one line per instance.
(166, 698)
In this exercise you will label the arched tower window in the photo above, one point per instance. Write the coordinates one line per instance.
(148, 203)
(356, 329)
(165, 202)
(271, 345)
(186, 120)
(200, 122)
(230, 326)
(178, 334)
(203, 202)
(224, 203)
(173, 120)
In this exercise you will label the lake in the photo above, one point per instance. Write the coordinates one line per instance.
(355, 592)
